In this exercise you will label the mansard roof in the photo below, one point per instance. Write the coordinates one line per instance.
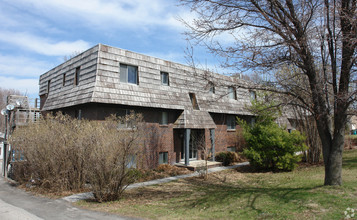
(99, 82)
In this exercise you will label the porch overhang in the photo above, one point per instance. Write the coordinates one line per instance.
(195, 119)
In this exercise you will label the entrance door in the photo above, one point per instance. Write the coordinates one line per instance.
(196, 138)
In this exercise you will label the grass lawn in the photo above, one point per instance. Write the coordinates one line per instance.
(240, 194)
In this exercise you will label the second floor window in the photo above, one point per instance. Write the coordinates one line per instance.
(76, 76)
(64, 79)
(164, 78)
(212, 90)
(253, 95)
(232, 93)
(48, 86)
(129, 74)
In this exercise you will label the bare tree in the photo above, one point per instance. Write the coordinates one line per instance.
(316, 36)
(199, 142)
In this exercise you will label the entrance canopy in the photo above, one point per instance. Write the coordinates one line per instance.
(195, 119)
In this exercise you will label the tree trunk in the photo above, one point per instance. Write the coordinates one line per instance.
(333, 166)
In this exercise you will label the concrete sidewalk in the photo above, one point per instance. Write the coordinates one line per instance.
(89, 195)
(17, 204)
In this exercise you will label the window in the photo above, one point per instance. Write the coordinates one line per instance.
(231, 122)
(48, 86)
(131, 161)
(163, 158)
(164, 118)
(126, 121)
(128, 74)
(63, 79)
(231, 149)
(164, 78)
(212, 90)
(252, 121)
(78, 114)
(253, 95)
(232, 93)
(122, 112)
(76, 76)
(194, 101)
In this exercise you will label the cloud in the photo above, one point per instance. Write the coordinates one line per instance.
(16, 66)
(27, 87)
(42, 45)
(108, 13)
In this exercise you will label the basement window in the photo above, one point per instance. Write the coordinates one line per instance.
(163, 158)
(129, 74)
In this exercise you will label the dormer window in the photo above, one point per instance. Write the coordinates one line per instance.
(194, 101)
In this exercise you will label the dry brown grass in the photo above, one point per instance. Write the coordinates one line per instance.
(240, 194)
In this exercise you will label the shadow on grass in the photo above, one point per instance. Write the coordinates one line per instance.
(209, 194)
(349, 163)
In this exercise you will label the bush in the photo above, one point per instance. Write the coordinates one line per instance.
(269, 146)
(55, 152)
(272, 148)
(227, 157)
(62, 153)
(171, 170)
(113, 160)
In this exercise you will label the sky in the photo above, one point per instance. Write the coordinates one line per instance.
(37, 35)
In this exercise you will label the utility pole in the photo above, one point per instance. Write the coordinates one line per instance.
(5, 113)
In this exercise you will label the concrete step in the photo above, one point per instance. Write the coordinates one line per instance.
(196, 165)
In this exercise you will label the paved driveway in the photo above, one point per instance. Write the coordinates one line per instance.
(18, 204)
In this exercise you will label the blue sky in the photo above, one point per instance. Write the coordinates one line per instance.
(36, 35)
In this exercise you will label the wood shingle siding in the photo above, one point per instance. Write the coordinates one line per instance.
(100, 83)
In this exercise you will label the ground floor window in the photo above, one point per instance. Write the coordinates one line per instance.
(131, 161)
(231, 149)
(231, 122)
(164, 118)
(163, 157)
(78, 114)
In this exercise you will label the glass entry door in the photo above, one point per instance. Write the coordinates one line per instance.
(196, 137)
